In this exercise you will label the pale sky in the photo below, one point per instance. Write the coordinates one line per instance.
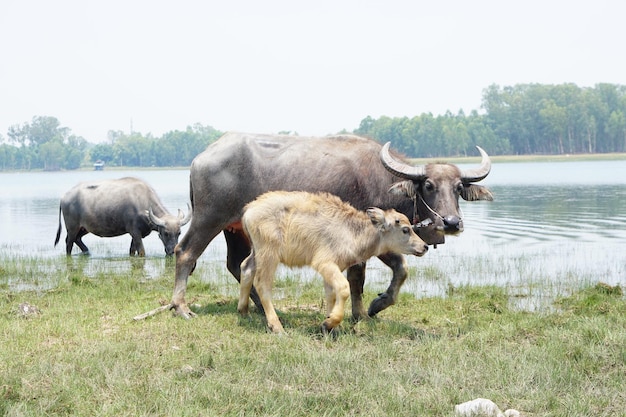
(265, 66)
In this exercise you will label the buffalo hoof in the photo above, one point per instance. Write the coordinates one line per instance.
(183, 311)
(358, 317)
(380, 303)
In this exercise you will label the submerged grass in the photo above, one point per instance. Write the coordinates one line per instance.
(76, 351)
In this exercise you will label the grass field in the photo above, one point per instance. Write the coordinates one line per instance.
(75, 350)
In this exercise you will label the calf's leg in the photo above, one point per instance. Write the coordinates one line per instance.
(248, 270)
(337, 292)
(263, 281)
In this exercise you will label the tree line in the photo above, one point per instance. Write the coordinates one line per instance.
(43, 144)
(520, 119)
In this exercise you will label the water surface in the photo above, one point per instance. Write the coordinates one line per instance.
(552, 227)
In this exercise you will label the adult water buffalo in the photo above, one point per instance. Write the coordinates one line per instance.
(115, 207)
(239, 167)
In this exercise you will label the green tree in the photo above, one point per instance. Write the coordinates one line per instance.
(102, 152)
(554, 119)
(616, 130)
(44, 143)
(52, 154)
(75, 152)
(8, 157)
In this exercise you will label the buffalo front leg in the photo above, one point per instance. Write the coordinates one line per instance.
(187, 253)
(397, 263)
(356, 279)
(136, 246)
(184, 267)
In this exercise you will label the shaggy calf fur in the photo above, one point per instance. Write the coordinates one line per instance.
(320, 230)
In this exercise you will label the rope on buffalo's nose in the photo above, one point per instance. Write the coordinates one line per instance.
(430, 209)
(461, 216)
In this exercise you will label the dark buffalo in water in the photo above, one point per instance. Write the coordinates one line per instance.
(239, 167)
(115, 207)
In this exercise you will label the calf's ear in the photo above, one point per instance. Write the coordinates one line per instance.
(377, 216)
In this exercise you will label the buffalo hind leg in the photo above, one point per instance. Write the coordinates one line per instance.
(356, 279)
(238, 249)
(69, 242)
(397, 263)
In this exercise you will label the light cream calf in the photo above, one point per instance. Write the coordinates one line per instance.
(320, 230)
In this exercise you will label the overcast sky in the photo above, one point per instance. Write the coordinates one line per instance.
(312, 67)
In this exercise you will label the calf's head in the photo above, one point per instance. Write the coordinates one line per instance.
(435, 189)
(396, 232)
(168, 227)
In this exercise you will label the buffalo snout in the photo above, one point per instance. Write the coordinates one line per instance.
(452, 224)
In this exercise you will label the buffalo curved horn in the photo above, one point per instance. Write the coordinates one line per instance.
(477, 174)
(400, 169)
(154, 219)
(184, 219)
(417, 173)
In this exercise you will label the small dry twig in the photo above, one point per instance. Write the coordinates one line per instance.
(153, 312)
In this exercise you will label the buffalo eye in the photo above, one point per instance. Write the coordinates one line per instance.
(460, 187)
(429, 186)
(406, 230)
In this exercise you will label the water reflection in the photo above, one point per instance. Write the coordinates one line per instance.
(551, 227)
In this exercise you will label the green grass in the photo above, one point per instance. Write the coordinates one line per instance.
(81, 353)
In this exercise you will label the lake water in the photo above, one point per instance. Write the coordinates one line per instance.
(551, 228)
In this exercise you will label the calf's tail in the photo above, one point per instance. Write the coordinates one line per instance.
(59, 229)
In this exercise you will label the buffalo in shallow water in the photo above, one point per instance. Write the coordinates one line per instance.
(115, 207)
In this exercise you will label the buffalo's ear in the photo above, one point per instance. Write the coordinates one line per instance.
(405, 188)
(473, 192)
(377, 216)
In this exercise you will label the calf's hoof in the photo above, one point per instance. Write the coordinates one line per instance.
(279, 331)
(328, 326)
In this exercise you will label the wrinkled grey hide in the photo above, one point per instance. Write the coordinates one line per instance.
(239, 167)
(115, 207)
